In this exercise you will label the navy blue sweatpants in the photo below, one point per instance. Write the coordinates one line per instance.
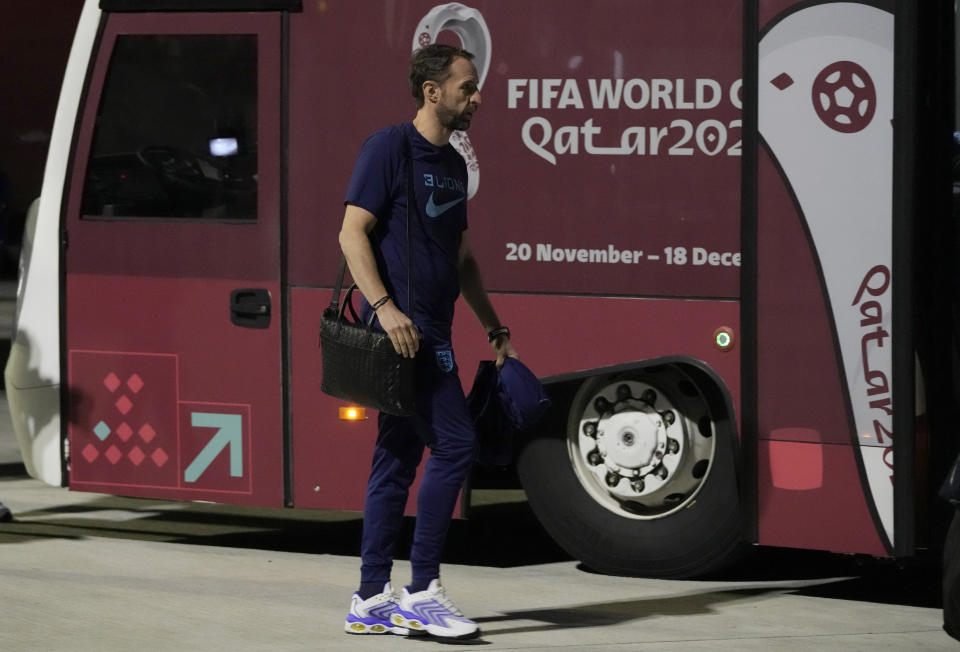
(443, 423)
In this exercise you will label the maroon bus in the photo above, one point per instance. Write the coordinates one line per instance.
(720, 232)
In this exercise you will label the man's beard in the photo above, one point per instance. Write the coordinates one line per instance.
(454, 121)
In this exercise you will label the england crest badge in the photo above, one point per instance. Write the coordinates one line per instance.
(444, 360)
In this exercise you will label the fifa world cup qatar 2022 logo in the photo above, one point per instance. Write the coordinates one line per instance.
(844, 97)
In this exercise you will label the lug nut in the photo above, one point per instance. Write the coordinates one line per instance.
(669, 417)
(661, 472)
(590, 429)
(613, 479)
(649, 397)
(594, 458)
(673, 446)
(623, 392)
(637, 485)
(602, 405)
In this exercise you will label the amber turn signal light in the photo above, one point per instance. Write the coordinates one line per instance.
(353, 413)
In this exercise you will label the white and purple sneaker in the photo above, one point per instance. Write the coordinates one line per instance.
(432, 612)
(372, 616)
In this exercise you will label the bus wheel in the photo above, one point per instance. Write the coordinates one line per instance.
(639, 478)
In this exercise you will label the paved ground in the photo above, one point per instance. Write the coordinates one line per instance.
(92, 572)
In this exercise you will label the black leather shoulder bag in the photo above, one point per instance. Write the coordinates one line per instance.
(360, 364)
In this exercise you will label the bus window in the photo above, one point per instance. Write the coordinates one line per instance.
(176, 130)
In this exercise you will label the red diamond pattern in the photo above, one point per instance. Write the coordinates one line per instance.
(111, 382)
(782, 81)
(135, 383)
(159, 457)
(128, 435)
(123, 404)
(136, 456)
(147, 433)
(124, 431)
(90, 453)
(113, 454)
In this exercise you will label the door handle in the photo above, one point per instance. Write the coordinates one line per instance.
(250, 307)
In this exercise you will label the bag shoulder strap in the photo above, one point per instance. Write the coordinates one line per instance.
(335, 299)
(411, 197)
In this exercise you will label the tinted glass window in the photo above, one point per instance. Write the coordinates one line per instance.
(176, 130)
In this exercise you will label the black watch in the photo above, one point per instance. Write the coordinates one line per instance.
(497, 332)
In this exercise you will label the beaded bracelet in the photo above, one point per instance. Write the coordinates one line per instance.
(380, 303)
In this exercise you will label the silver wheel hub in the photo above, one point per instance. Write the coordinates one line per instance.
(636, 450)
(632, 442)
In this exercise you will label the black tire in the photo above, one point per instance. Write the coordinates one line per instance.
(700, 535)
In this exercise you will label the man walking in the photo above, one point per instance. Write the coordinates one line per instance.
(436, 262)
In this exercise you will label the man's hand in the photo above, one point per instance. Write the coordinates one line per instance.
(503, 350)
(402, 332)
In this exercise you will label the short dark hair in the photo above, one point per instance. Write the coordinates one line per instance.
(432, 63)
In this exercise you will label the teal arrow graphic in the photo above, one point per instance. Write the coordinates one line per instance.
(229, 433)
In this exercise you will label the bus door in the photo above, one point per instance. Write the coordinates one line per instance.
(172, 261)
